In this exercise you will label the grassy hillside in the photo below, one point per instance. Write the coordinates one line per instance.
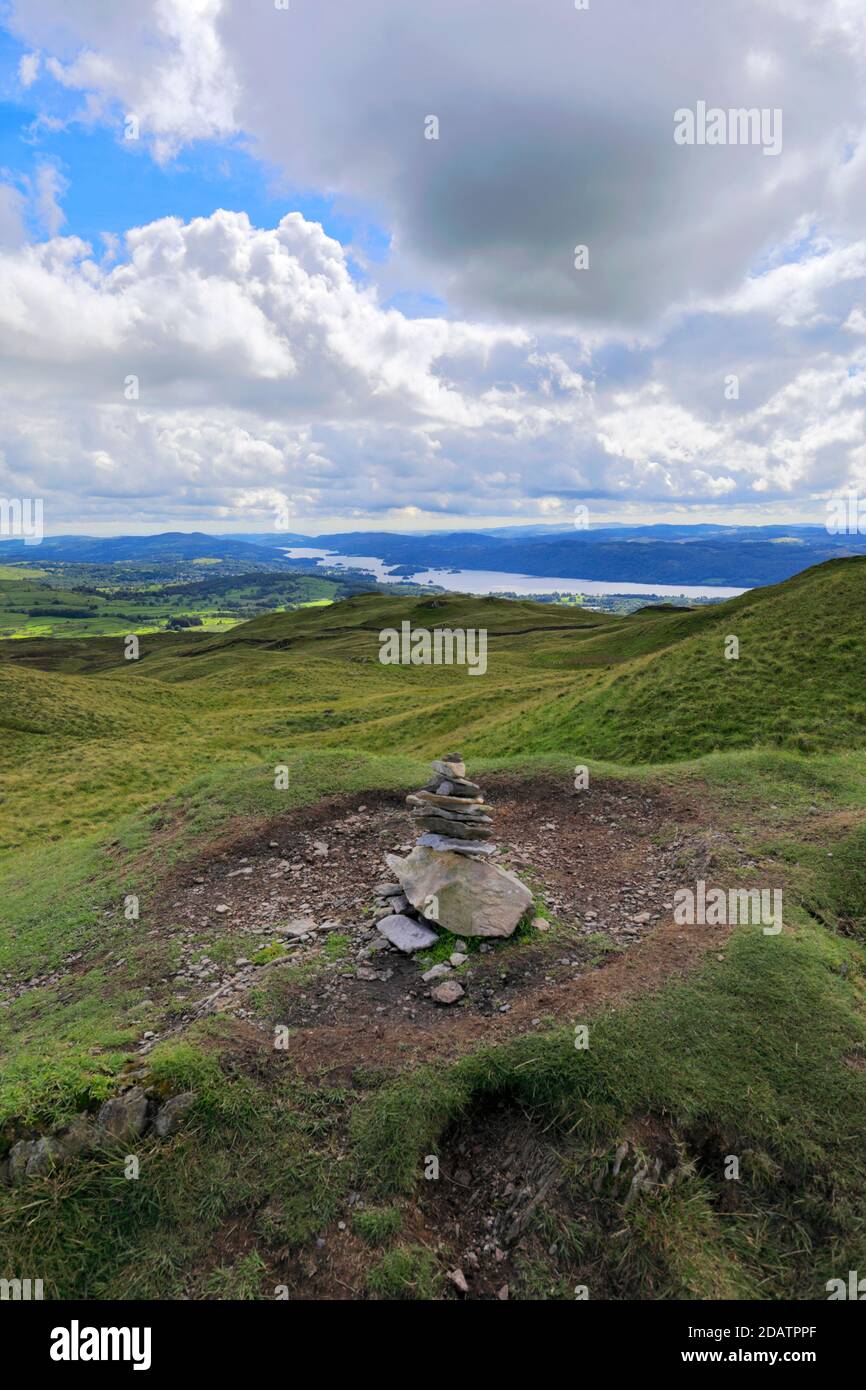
(637, 690)
(118, 773)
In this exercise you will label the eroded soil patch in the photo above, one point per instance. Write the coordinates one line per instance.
(604, 863)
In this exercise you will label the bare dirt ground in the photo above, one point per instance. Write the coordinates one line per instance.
(605, 862)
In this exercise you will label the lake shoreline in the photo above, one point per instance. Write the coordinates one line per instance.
(489, 582)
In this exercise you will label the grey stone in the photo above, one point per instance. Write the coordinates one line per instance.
(445, 842)
(405, 933)
(448, 992)
(455, 829)
(453, 771)
(458, 958)
(448, 803)
(300, 927)
(77, 1137)
(387, 890)
(124, 1116)
(454, 786)
(19, 1156)
(46, 1154)
(436, 972)
(438, 785)
(170, 1117)
(475, 816)
(473, 898)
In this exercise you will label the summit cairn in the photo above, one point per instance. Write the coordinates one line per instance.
(447, 878)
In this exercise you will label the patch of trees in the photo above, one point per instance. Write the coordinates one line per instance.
(58, 612)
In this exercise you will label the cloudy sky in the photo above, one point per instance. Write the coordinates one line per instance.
(324, 257)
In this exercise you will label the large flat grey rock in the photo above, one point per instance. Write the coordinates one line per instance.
(467, 896)
(405, 933)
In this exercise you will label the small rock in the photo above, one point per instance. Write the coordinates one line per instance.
(458, 958)
(19, 1156)
(300, 927)
(502, 1295)
(436, 972)
(448, 992)
(170, 1117)
(76, 1137)
(406, 934)
(222, 907)
(458, 1279)
(46, 1153)
(124, 1116)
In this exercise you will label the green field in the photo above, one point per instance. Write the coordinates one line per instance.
(115, 771)
(95, 601)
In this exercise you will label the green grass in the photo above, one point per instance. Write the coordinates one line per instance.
(406, 1272)
(377, 1225)
(758, 1057)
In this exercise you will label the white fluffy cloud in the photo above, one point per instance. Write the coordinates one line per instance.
(555, 128)
(265, 370)
(219, 366)
(160, 60)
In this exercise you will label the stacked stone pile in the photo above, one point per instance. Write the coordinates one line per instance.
(447, 879)
(450, 810)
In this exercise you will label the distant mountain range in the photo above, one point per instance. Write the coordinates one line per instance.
(729, 556)
(169, 545)
(735, 556)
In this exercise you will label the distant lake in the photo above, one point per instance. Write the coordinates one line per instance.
(496, 581)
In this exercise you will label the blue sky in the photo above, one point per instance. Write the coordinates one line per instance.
(114, 183)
